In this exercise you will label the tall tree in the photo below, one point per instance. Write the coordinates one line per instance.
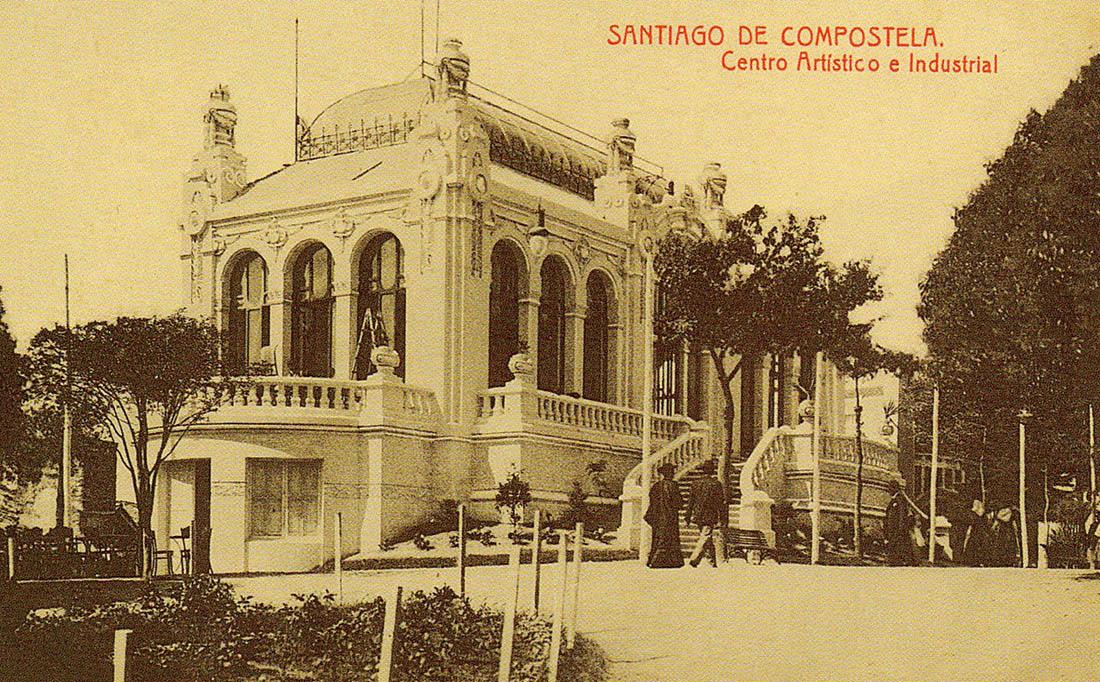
(141, 382)
(15, 468)
(757, 289)
(1012, 303)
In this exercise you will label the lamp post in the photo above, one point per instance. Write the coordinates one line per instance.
(934, 475)
(1023, 416)
(645, 535)
(815, 480)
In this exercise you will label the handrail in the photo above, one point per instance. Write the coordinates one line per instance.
(684, 452)
(767, 458)
(321, 393)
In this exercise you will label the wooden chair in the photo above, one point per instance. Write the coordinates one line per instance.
(185, 551)
(162, 555)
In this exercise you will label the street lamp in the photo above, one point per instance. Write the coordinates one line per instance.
(647, 246)
(1023, 416)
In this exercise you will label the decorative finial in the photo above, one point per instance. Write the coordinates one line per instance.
(713, 181)
(221, 118)
(621, 142)
(453, 69)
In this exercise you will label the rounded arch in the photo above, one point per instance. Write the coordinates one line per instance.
(310, 268)
(507, 288)
(598, 336)
(379, 271)
(555, 300)
(247, 319)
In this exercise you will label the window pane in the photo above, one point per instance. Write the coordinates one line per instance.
(256, 285)
(321, 273)
(303, 497)
(388, 258)
(265, 490)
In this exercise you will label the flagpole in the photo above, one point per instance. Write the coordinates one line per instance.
(296, 116)
(934, 474)
(645, 534)
(815, 480)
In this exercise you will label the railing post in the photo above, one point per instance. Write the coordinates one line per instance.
(559, 606)
(508, 635)
(462, 550)
(389, 632)
(120, 655)
(578, 543)
(536, 551)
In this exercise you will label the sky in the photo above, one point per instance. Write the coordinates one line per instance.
(102, 106)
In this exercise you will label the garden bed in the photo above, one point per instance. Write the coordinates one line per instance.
(200, 630)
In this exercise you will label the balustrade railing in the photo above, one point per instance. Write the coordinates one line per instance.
(843, 449)
(575, 412)
(326, 394)
(687, 450)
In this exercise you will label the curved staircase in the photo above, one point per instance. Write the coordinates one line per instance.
(689, 533)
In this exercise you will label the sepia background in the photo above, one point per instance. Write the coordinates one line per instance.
(103, 111)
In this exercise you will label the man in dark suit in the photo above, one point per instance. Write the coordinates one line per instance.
(707, 508)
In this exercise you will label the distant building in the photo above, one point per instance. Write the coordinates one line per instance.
(439, 291)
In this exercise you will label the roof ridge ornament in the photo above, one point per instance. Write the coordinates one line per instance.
(453, 70)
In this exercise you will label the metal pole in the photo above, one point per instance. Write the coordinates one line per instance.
(934, 475)
(462, 550)
(815, 491)
(296, 116)
(1023, 491)
(389, 630)
(536, 552)
(67, 434)
(1092, 460)
(645, 533)
(574, 606)
(120, 655)
(507, 638)
(559, 607)
(338, 556)
(11, 557)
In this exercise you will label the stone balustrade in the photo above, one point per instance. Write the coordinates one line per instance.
(381, 398)
(519, 406)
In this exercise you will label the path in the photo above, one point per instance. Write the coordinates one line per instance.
(796, 622)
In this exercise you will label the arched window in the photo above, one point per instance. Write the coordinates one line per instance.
(667, 369)
(249, 314)
(597, 337)
(552, 306)
(504, 295)
(380, 317)
(311, 313)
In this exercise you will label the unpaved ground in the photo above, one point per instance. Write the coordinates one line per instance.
(796, 622)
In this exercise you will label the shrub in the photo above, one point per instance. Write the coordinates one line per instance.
(513, 494)
(200, 631)
(422, 543)
(577, 510)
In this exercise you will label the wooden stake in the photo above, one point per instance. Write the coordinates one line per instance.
(574, 602)
(389, 633)
(536, 552)
(11, 558)
(559, 606)
(462, 550)
(120, 654)
(934, 475)
(338, 556)
(508, 636)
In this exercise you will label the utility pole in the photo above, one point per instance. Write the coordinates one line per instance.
(645, 533)
(934, 475)
(815, 491)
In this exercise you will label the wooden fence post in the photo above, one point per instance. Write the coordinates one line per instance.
(559, 606)
(11, 558)
(120, 654)
(389, 633)
(536, 554)
(462, 550)
(338, 556)
(571, 624)
(508, 635)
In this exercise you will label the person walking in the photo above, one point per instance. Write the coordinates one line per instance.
(897, 529)
(976, 544)
(707, 508)
(663, 516)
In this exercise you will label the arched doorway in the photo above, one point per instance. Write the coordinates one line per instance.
(553, 305)
(597, 338)
(311, 313)
(249, 321)
(380, 318)
(507, 283)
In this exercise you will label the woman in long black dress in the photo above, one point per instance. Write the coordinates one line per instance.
(663, 516)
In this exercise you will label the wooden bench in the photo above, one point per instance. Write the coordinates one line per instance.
(751, 543)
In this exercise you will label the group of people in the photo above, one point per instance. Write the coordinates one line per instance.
(707, 508)
(992, 538)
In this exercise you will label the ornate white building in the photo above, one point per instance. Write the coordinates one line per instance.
(440, 291)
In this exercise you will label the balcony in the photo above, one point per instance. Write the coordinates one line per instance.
(380, 400)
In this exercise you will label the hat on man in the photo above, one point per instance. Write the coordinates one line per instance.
(667, 469)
